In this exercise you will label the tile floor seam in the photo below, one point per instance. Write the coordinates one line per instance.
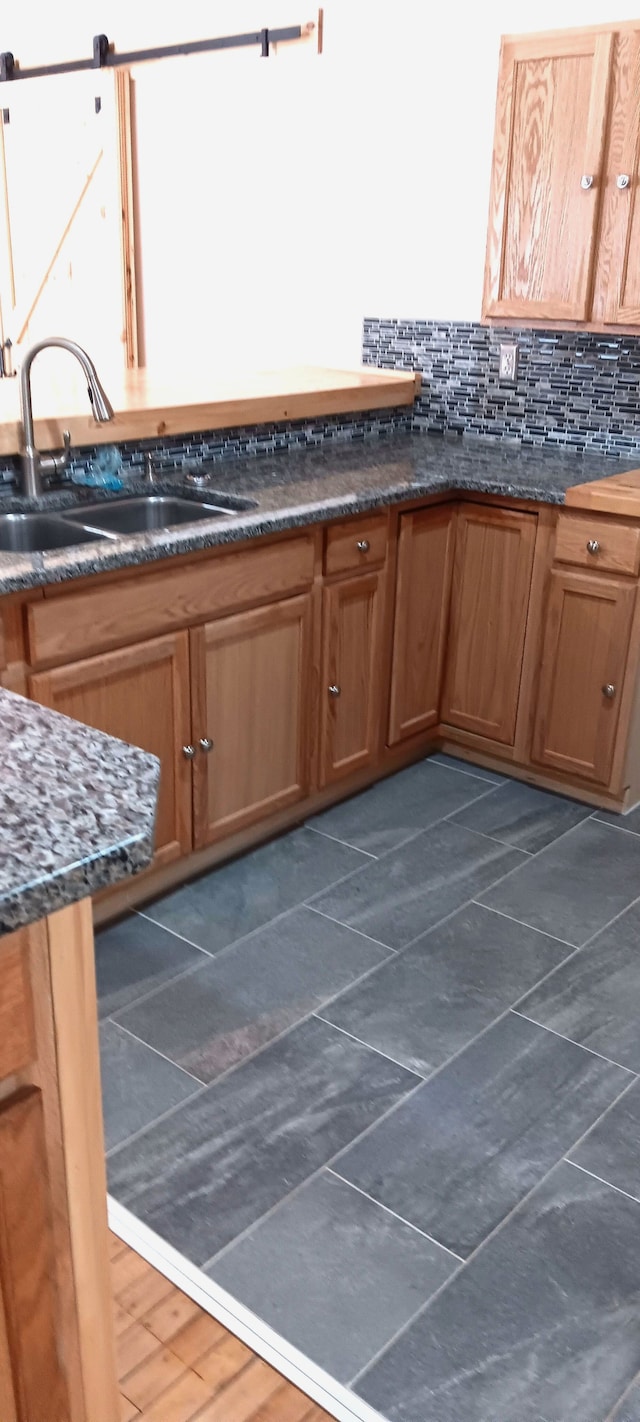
(599, 821)
(611, 1416)
(601, 1181)
(152, 992)
(423, 829)
(393, 1213)
(627, 1087)
(326, 1165)
(121, 1028)
(563, 1037)
(393, 952)
(164, 1115)
(180, 936)
(574, 948)
(317, 1014)
(472, 774)
(487, 1240)
(346, 843)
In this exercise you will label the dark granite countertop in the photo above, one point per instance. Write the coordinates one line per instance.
(293, 489)
(77, 811)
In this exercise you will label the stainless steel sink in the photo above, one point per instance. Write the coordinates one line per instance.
(152, 511)
(39, 533)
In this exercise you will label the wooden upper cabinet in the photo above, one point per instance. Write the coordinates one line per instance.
(492, 572)
(425, 556)
(551, 119)
(141, 695)
(587, 630)
(251, 690)
(616, 298)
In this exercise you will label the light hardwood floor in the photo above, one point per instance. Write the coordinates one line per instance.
(177, 1364)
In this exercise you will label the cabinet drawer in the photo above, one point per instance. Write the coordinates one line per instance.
(359, 543)
(67, 627)
(598, 544)
(17, 1047)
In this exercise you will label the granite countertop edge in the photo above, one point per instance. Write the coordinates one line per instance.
(77, 811)
(293, 489)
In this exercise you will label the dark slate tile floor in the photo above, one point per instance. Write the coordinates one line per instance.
(380, 1079)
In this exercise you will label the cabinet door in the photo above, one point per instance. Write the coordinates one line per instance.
(425, 548)
(141, 695)
(492, 569)
(32, 1384)
(251, 696)
(587, 633)
(351, 691)
(617, 283)
(549, 137)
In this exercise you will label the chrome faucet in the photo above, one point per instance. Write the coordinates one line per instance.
(35, 466)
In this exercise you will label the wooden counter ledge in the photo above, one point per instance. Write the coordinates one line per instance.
(149, 406)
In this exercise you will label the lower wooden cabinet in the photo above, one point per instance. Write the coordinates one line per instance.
(139, 694)
(588, 625)
(251, 692)
(492, 571)
(425, 554)
(351, 688)
(32, 1382)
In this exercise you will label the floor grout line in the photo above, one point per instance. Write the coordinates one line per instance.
(153, 992)
(472, 774)
(609, 825)
(573, 947)
(609, 1184)
(157, 924)
(393, 1213)
(563, 1038)
(392, 952)
(164, 1115)
(346, 843)
(198, 1080)
(352, 1037)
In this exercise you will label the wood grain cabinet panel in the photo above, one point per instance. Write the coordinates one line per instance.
(553, 93)
(598, 544)
(17, 1045)
(617, 282)
(357, 544)
(423, 583)
(351, 688)
(492, 571)
(32, 1382)
(139, 694)
(588, 626)
(251, 686)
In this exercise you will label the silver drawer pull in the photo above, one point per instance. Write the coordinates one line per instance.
(363, 545)
(623, 180)
(609, 691)
(586, 181)
(189, 752)
(206, 744)
(593, 546)
(334, 690)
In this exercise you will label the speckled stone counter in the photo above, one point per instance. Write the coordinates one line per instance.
(293, 489)
(77, 811)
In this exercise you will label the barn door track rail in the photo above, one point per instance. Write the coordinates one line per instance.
(105, 57)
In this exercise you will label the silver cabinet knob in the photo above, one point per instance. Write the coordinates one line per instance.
(623, 180)
(593, 546)
(189, 752)
(206, 743)
(363, 545)
(586, 181)
(609, 691)
(334, 690)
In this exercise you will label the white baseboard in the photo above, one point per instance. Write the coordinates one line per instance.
(298, 1369)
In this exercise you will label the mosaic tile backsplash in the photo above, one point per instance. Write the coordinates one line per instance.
(573, 388)
(250, 440)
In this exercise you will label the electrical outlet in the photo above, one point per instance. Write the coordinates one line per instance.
(508, 364)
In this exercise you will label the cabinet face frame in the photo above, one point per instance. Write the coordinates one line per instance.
(343, 716)
(423, 589)
(515, 52)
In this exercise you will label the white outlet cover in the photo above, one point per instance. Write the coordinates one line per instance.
(508, 363)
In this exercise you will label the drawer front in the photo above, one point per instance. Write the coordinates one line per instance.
(17, 1045)
(598, 544)
(356, 545)
(66, 627)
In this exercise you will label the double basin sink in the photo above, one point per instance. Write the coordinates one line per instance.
(112, 518)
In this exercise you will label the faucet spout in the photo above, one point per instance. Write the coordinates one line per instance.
(33, 464)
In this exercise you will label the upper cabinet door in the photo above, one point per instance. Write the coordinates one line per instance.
(553, 93)
(617, 287)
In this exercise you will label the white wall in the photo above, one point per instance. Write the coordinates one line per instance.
(282, 201)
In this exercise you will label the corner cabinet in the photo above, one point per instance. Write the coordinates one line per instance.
(563, 238)
(423, 583)
(351, 687)
(492, 573)
(251, 697)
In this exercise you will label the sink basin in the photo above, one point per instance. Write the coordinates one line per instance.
(142, 515)
(38, 533)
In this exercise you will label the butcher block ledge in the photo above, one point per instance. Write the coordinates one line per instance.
(173, 403)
